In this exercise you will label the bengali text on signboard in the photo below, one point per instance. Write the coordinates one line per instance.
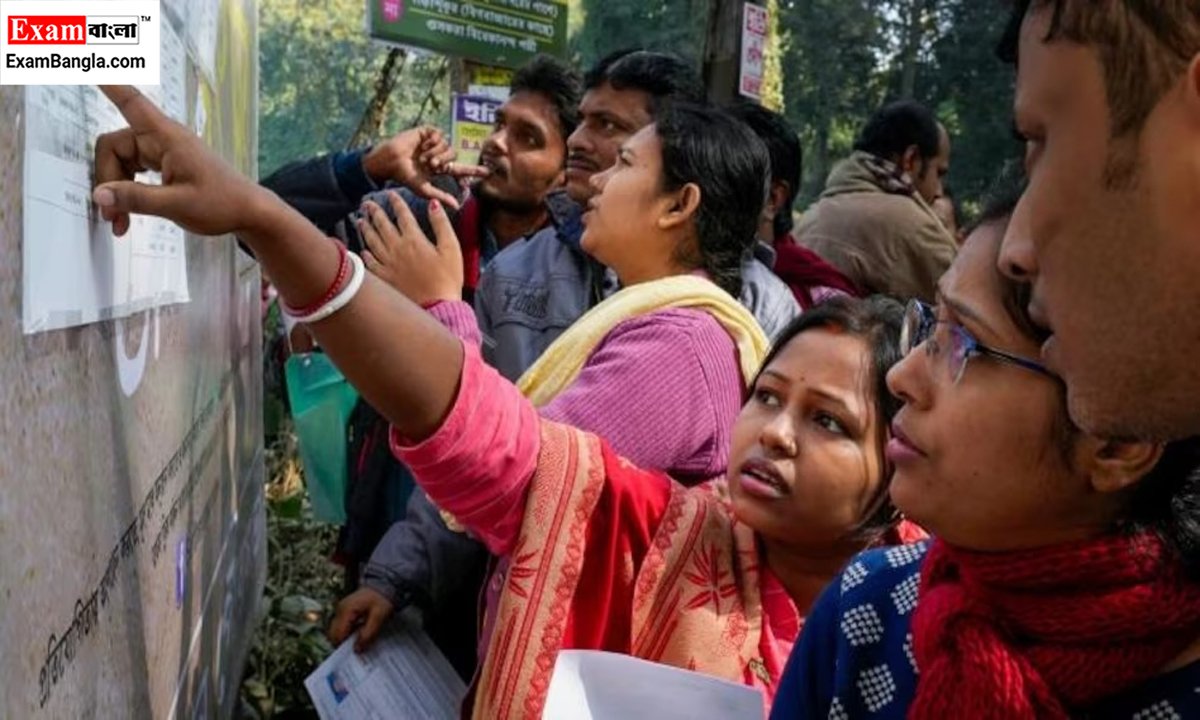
(506, 33)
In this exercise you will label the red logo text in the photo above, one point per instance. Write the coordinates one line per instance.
(47, 30)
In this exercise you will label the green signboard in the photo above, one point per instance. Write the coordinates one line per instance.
(493, 32)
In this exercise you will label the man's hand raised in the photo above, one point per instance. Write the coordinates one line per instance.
(199, 190)
(413, 157)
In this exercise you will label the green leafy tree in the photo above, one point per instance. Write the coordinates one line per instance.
(676, 26)
(831, 77)
(973, 92)
(845, 58)
(318, 71)
(772, 90)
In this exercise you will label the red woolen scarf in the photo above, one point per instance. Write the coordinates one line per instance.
(468, 227)
(1039, 633)
(802, 270)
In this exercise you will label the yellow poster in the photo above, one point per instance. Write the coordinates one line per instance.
(490, 76)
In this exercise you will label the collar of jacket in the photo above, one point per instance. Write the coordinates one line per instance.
(864, 172)
(567, 216)
(763, 252)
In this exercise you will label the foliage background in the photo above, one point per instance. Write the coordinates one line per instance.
(839, 60)
(318, 69)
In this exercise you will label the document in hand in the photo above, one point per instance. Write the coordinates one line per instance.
(402, 676)
(594, 685)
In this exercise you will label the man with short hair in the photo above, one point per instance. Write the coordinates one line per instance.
(873, 222)
(1108, 231)
(622, 93)
(538, 288)
(522, 159)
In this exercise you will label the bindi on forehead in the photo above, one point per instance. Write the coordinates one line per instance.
(826, 357)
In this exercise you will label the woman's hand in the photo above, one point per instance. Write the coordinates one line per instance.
(401, 254)
(412, 383)
(199, 191)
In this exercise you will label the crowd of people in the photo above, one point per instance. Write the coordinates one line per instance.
(867, 461)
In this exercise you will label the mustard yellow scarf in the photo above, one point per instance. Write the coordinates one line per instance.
(562, 362)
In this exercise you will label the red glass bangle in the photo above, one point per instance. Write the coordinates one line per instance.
(343, 268)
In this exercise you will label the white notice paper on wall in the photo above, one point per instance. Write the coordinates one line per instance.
(74, 272)
(595, 685)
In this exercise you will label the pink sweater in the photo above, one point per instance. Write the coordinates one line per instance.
(663, 389)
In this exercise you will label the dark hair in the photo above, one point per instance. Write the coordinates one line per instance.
(783, 145)
(710, 148)
(663, 76)
(557, 82)
(898, 126)
(876, 320)
(1167, 501)
(1143, 46)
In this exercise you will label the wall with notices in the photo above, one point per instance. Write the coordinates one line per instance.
(132, 526)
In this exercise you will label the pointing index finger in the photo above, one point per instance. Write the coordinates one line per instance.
(137, 109)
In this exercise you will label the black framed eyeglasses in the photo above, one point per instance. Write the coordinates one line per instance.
(921, 326)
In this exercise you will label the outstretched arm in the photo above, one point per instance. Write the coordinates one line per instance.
(401, 360)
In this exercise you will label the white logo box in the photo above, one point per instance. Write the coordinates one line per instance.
(80, 42)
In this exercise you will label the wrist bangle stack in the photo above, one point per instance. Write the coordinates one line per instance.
(338, 301)
(343, 267)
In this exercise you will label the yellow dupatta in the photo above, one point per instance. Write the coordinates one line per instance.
(562, 362)
(566, 357)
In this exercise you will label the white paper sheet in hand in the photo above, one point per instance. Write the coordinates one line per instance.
(402, 676)
(594, 685)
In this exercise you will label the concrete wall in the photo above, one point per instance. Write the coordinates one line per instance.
(132, 527)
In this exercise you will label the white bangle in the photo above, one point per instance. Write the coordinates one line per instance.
(342, 299)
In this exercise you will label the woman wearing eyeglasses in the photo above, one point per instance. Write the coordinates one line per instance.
(1063, 580)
